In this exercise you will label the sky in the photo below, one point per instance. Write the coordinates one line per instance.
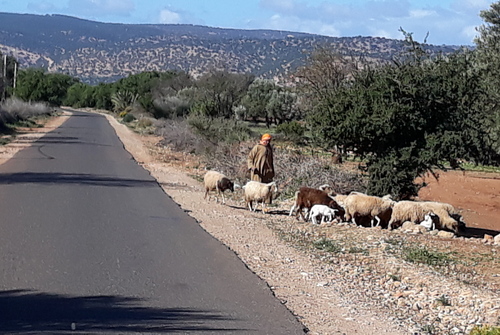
(450, 22)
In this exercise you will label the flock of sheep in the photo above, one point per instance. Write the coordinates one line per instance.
(322, 203)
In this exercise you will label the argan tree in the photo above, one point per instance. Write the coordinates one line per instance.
(407, 118)
(325, 71)
(38, 85)
(220, 91)
(488, 55)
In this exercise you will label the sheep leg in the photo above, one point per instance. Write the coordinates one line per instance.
(378, 221)
(313, 219)
(292, 210)
(217, 192)
(301, 214)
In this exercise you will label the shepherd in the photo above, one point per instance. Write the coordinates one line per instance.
(260, 160)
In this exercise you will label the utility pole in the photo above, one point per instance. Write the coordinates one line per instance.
(4, 77)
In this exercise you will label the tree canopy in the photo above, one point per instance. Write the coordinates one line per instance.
(407, 118)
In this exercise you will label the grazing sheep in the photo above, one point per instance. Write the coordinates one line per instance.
(325, 188)
(340, 198)
(307, 197)
(361, 205)
(323, 210)
(415, 211)
(259, 192)
(216, 181)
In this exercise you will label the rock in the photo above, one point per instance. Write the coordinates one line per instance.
(497, 239)
(408, 225)
(488, 238)
(445, 234)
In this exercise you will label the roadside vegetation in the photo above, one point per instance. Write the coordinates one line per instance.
(15, 113)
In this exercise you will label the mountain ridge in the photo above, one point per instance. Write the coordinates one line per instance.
(102, 52)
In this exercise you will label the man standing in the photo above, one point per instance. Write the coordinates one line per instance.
(260, 161)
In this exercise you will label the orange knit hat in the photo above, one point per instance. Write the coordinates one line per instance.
(265, 137)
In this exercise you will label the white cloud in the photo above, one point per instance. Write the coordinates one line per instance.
(169, 17)
(443, 21)
(421, 13)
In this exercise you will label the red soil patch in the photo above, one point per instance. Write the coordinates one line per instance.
(475, 194)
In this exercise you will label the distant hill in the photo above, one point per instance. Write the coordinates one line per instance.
(104, 52)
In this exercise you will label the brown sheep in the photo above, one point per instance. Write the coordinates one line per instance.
(308, 197)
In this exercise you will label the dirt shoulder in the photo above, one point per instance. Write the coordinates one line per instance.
(360, 286)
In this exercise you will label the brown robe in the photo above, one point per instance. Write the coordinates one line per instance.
(261, 158)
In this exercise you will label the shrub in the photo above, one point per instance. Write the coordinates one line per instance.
(20, 110)
(171, 107)
(423, 255)
(216, 130)
(144, 122)
(292, 131)
(178, 136)
(485, 330)
(327, 245)
(128, 118)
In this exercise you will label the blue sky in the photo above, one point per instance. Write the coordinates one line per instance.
(446, 21)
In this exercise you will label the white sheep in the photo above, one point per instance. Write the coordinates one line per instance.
(216, 181)
(326, 212)
(359, 204)
(259, 192)
(415, 211)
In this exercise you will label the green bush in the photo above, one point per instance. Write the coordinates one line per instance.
(128, 118)
(423, 255)
(216, 130)
(292, 131)
(327, 245)
(485, 330)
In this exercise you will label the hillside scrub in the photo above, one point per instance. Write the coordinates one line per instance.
(226, 150)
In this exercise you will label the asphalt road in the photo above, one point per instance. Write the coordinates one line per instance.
(90, 244)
